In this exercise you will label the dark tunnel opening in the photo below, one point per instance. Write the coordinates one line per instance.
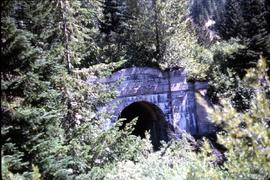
(150, 118)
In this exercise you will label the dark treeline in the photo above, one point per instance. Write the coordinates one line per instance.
(49, 125)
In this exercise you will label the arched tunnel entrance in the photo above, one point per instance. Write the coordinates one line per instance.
(150, 118)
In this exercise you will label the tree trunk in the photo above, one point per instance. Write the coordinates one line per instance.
(66, 37)
(69, 122)
(158, 55)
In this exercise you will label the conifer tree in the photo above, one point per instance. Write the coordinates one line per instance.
(144, 36)
(247, 21)
(230, 23)
(30, 100)
(113, 30)
(147, 44)
(40, 45)
(246, 134)
(112, 17)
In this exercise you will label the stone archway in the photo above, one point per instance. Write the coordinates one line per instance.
(168, 90)
(150, 118)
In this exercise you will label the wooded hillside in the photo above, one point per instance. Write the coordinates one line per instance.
(50, 125)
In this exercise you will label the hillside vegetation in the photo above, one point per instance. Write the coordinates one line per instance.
(49, 123)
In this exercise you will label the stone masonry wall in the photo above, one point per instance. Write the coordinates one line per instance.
(168, 90)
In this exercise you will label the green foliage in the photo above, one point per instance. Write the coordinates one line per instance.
(246, 135)
(36, 175)
(102, 69)
(248, 21)
(50, 127)
(175, 160)
(6, 174)
(112, 32)
(36, 85)
(224, 81)
(180, 45)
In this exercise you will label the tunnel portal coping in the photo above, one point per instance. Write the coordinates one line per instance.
(169, 90)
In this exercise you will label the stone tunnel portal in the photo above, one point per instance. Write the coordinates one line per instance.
(150, 118)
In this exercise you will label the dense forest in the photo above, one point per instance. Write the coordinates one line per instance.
(50, 126)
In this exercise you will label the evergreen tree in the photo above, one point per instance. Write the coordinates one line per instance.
(50, 128)
(112, 17)
(254, 32)
(246, 134)
(230, 23)
(143, 43)
(113, 30)
(31, 103)
(246, 20)
(39, 47)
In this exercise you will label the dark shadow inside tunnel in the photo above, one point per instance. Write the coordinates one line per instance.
(150, 118)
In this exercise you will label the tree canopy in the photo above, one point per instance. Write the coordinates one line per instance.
(51, 128)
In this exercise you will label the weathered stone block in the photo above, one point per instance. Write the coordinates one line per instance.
(168, 91)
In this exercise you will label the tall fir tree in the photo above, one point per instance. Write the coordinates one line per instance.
(31, 101)
(247, 21)
(39, 92)
(113, 30)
